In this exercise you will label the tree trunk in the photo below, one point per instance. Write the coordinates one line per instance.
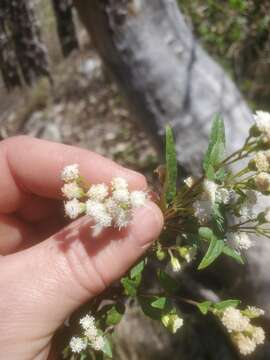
(8, 64)
(65, 25)
(31, 53)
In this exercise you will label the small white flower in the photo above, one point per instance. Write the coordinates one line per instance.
(98, 343)
(121, 196)
(202, 211)
(73, 208)
(262, 181)
(77, 345)
(137, 199)
(267, 214)
(258, 335)
(70, 173)
(262, 120)
(224, 196)
(122, 218)
(190, 181)
(245, 344)
(119, 183)
(177, 324)
(87, 322)
(261, 161)
(176, 266)
(98, 192)
(210, 189)
(99, 213)
(72, 191)
(233, 320)
(242, 241)
(253, 311)
(112, 207)
(91, 332)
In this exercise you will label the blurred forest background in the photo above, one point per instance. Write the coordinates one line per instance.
(82, 106)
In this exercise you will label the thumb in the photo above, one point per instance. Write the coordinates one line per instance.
(41, 286)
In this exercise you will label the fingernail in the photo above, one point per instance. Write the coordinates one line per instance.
(148, 223)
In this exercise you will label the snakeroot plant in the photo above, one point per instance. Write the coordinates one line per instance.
(205, 218)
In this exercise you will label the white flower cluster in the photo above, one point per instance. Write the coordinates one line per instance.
(211, 193)
(262, 121)
(241, 240)
(107, 206)
(172, 322)
(91, 336)
(246, 336)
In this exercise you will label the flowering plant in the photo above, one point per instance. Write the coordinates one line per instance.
(205, 218)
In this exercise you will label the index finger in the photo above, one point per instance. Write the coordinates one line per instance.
(34, 166)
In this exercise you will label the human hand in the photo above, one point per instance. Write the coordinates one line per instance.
(47, 271)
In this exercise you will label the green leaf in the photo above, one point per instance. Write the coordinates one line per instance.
(219, 219)
(204, 307)
(159, 303)
(206, 233)
(171, 167)
(168, 283)
(154, 313)
(227, 250)
(114, 315)
(131, 286)
(137, 269)
(107, 348)
(216, 148)
(215, 249)
(225, 304)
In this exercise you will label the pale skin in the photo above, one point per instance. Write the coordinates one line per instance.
(48, 267)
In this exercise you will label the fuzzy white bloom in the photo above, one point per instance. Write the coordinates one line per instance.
(210, 189)
(261, 161)
(138, 199)
(87, 322)
(122, 218)
(262, 120)
(233, 320)
(245, 344)
(98, 192)
(176, 266)
(267, 214)
(98, 343)
(119, 183)
(190, 181)
(258, 335)
(99, 213)
(72, 191)
(121, 196)
(91, 332)
(202, 211)
(70, 173)
(242, 240)
(253, 311)
(73, 208)
(224, 195)
(262, 181)
(112, 207)
(177, 324)
(77, 345)
(173, 322)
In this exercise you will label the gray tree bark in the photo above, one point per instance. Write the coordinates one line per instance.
(167, 77)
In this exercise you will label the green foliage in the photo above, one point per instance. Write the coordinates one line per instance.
(114, 315)
(107, 348)
(215, 249)
(216, 148)
(208, 306)
(171, 167)
(168, 283)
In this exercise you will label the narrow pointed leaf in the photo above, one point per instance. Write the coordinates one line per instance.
(171, 167)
